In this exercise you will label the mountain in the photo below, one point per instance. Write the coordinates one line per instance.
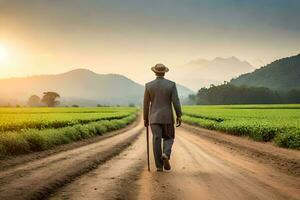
(283, 74)
(80, 86)
(203, 73)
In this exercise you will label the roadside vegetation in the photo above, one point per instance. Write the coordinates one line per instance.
(25, 130)
(277, 123)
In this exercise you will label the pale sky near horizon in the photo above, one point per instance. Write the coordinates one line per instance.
(129, 36)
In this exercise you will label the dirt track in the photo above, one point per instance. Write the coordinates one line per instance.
(206, 165)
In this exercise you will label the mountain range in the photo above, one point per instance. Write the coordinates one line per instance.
(86, 88)
(202, 73)
(281, 75)
(80, 86)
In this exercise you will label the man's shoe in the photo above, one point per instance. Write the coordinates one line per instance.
(159, 169)
(166, 161)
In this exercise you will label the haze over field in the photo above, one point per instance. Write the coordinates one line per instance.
(202, 73)
(76, 121)
(80, 86)
(51, 37)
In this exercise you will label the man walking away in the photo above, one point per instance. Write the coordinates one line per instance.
(159, 96)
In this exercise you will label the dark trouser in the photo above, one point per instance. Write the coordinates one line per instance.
(157, 132)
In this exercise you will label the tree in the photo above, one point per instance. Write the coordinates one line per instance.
(293, 96)
(49, 99)
(34, 101)
(131, 105)
(192, 99)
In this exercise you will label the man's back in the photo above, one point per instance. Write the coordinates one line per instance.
(161, 93)
(159, 96)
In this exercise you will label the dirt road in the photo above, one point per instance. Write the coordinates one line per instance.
(205, 165)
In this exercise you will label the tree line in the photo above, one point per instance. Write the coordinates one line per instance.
(49, 99)
(231, 94)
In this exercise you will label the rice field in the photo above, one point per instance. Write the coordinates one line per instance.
(277, 123)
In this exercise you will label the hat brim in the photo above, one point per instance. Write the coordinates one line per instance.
(156, 71)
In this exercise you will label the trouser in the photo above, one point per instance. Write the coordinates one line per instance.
(157, 132)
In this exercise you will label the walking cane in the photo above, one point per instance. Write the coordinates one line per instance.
(148, 159)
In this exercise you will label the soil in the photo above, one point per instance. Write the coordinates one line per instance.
(205, 165)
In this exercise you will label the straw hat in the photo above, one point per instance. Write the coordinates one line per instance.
(160, 68)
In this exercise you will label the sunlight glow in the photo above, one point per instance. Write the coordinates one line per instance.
(3, 54)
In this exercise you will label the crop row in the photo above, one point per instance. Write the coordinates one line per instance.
(271, 124)
(32, 120)
(40, 110)
(15, 143)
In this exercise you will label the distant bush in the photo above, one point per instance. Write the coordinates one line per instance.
(102, 105)
(131, 105)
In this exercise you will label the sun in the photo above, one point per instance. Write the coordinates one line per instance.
(3, 54)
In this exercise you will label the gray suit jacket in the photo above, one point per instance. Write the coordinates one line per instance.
(159, 96)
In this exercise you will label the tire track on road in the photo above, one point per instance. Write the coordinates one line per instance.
(115, 179)
(202, 169)
(38, 179)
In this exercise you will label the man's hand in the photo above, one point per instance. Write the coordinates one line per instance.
(146, 123)
(178, 121)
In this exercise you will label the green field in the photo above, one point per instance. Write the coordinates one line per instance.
(24, 130)
(277, 123)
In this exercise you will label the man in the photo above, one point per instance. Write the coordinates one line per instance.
(159, 96)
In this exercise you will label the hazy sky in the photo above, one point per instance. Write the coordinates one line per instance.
(129, 36)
